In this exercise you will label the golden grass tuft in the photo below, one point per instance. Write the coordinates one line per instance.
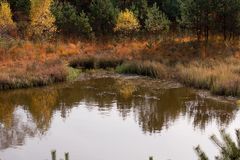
(222, 77)
(32, 75)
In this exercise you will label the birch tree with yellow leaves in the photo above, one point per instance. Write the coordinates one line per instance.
(42, 21)
(6, 23)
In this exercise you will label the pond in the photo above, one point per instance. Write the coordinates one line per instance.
(111, 119)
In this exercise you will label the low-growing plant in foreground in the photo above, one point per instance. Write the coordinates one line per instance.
(228, 149)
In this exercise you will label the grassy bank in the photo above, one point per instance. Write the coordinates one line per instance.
(221, 77)
(29, 64)
(32, 75)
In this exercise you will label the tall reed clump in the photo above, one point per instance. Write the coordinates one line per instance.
(85, 62)
(143, 68)
(195, 75)
(95, 62)
(221, 77)
(33, 75)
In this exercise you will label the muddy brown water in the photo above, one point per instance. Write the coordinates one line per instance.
(111, 119)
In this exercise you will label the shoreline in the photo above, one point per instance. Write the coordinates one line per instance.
(43, 64)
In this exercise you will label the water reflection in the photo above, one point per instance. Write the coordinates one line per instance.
(28, 113)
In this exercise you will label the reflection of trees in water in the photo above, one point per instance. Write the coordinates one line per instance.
(153, 109)
(205, 111)
(41, 106)
(15, 133)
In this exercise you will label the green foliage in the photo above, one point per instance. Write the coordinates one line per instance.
(68, 21)
(195, 15)
(156, 20)
(103, 15)
(203, 16)
(140, 9)
(227, 17)
(126, 22)
(78, 17)
(72, 73)
(228, 149)
(171, 8)
(22, 6)
(146, 68)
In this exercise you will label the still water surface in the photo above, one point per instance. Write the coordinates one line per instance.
(111, 119)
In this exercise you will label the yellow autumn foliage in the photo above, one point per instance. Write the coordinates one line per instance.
(42, 20)
(126, 22)
(5, 15)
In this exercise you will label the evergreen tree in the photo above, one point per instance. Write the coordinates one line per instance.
(140, 8)
(156, 20)
(68, 21)
(227, 20)
(171, 8)
(103, 16)
(196, 16)
(229, 150)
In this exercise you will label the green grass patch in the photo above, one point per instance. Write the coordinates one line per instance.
(143, 68)
(73, 73)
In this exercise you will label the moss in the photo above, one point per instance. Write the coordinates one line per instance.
(73, 73)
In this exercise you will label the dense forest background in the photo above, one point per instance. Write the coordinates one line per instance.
(94, 18)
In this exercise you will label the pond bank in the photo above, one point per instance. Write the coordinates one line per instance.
(220, 77)
(27, 64)
(206, 76)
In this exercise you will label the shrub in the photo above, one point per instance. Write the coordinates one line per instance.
(6, 23)
(90, 62)
(68, 21)
(126, 22)
(83, 62)
(42, 20)
(156, 20)
(105, 62)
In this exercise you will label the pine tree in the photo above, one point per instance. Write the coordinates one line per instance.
(228, 149)
(156, 20)
(103, 16)
(227, 19)
(196, 16)
(69, 21)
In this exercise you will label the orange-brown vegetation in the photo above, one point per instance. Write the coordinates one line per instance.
(178, 58)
